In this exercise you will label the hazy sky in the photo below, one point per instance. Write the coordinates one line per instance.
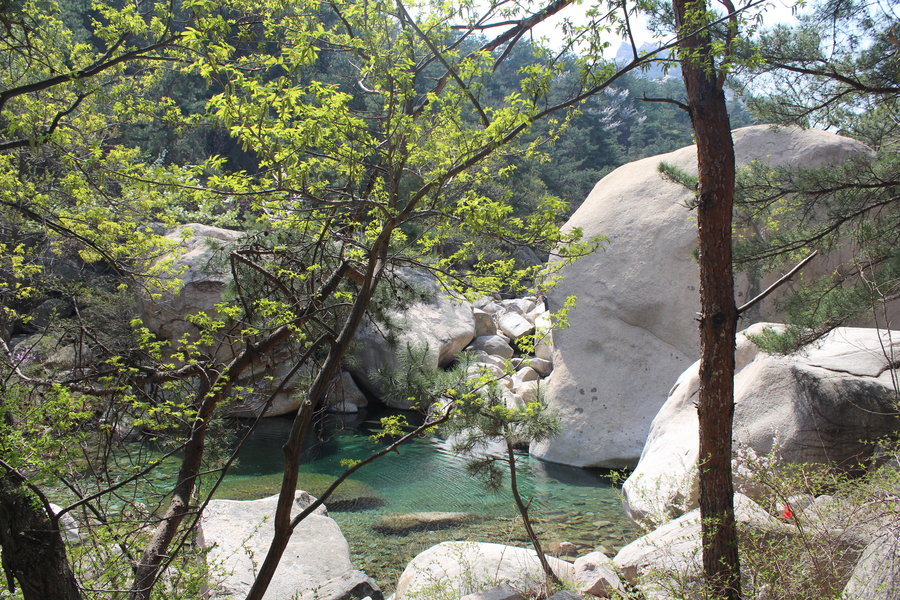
(776, 11)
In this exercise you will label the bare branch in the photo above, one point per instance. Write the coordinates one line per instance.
(759, 297)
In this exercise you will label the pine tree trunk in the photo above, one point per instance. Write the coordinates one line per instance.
(34, 555)
(718, 313)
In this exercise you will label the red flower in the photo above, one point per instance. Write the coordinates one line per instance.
(788, 513)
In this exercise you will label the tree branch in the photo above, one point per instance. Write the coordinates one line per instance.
(759, 297)
(680, 105)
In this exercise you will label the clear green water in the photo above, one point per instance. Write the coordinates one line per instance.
(568, 504)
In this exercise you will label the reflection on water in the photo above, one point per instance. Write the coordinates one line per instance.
(571, 504)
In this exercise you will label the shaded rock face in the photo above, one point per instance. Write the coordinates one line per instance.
(238, 533)
(821, 405)
(438, 324)
(634, 330)
(454, 569)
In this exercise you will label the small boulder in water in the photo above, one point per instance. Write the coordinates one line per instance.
(405, 523)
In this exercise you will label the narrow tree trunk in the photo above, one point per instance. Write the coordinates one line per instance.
(148, 570)
(718, 313)
(34, 555)
(526, 520)
(283, 523)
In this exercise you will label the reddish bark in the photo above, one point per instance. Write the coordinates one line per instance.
(718, 313)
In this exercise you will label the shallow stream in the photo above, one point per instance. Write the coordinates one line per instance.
(568, 504)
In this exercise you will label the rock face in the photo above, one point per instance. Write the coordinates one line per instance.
(344, 396)
(633, 330)
(877, 574)
(238, 534)
(454, 569)
(675, 548)
(817, 406)
(204, 276)
(438, 324)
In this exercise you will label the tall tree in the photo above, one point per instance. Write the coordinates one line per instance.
(704, 81)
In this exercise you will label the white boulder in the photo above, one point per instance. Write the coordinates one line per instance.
(454, 569)
(595, 574)
(203, 274)
(821, 405)
(437, 324)
(238, 533)
(68, 526)
(514, 325)
(484, 323)
(877, 574)
(493, 345)
(634, 327)
(673, 551)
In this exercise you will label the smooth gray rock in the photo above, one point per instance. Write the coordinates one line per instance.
(564, 595)
(493, 345)
(821, 405)
(204, 275)
(504, 591)
(484, 323)
(543, 367)
(262, 379)
(344, 396)
(514, 325)
(438, 325)
(877, 573)
(353, 585)
(68, 526)
(675, 547)
(525, 375)
(238, 533)
(595, 574)
(462, 568)
(633, 329)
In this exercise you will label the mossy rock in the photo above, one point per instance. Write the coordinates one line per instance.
(350, 495)
(405, 523)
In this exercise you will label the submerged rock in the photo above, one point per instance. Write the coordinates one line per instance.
(405, 523)
(350, 495)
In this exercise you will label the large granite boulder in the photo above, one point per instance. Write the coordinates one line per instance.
(237, 534)
(203, 275)
(671, 555)
(634, 328)
(820, 405)
(437, 324)
(454, 569)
